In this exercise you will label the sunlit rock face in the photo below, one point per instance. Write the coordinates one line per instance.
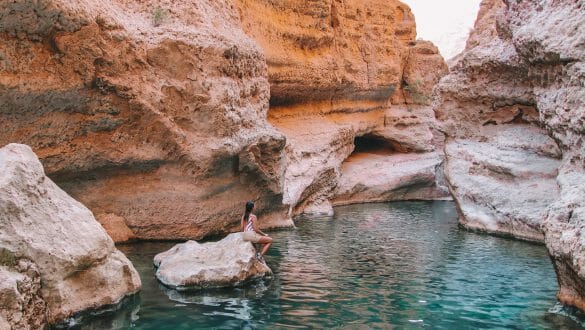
(156, 115)
(55, 258)
(340, 70)
(152, 114)
(524, 68)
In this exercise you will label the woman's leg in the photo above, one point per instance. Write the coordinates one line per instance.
(267, 241)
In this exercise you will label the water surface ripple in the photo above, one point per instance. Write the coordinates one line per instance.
(393, 265)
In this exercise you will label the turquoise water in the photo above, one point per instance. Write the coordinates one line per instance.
(393, 265)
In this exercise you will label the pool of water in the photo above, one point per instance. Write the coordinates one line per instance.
(392, 265)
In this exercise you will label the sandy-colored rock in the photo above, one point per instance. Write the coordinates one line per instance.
(501, 166)
(191, 265)
(372, 177)
(335, 69)
(525, 65)
(158, 112)
(20, 295)
(564, 231)
(411, 128)
(423, 69)
(153, 111)
(332, 55)
(116, 227)
(48, 237)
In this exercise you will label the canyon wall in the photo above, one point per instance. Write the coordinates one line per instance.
(340, 70)
(513, 111)
(164, 117)
(151, 114)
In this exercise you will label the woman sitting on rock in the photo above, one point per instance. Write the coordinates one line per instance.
(252, 233)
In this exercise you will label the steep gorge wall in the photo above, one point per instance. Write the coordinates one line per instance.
(156, 114)
(335, 70)
(158, 125)
(513, 110)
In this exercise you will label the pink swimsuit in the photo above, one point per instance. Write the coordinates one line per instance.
(250, 224)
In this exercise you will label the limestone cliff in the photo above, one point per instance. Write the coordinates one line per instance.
(335, 70)
(155, 114)
(519, 91)
(55, 258)
(152, 113)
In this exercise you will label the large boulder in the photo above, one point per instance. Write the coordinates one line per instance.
(192, 265)
(55, 258)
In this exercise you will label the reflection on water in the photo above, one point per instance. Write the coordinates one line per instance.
(379, 265)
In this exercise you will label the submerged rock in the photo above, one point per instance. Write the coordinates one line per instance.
(192, 265)
(55, 258)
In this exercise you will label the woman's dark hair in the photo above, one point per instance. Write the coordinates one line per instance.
(249, 207)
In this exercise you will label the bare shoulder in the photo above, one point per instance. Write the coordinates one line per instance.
(253, 216)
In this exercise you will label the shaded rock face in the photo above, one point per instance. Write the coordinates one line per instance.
(191, 265)
(148, 112)
(340, 70)
(23, 306)
(379, 177)
(55, 258)
(505, 184)
(524, 68)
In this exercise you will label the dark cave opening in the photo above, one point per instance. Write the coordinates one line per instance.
(373, 144)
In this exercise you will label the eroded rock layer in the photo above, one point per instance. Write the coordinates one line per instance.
(523, 71)
(336, 68)
(154, 114)
(55, 258)
(151, 113)
(505, 183)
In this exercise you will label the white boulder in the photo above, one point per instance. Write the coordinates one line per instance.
(45, 233)
(192, 265)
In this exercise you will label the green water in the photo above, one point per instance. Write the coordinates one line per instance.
(393, 265)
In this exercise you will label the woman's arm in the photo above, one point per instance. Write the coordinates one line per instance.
(242, 224)
(255, 226)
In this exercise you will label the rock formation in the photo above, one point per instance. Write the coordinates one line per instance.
(335, 70)
(377, 178)
(191, 265)
(156, 115)
(505, 183)
(153, 113)
(513, 110)
(55, 258)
